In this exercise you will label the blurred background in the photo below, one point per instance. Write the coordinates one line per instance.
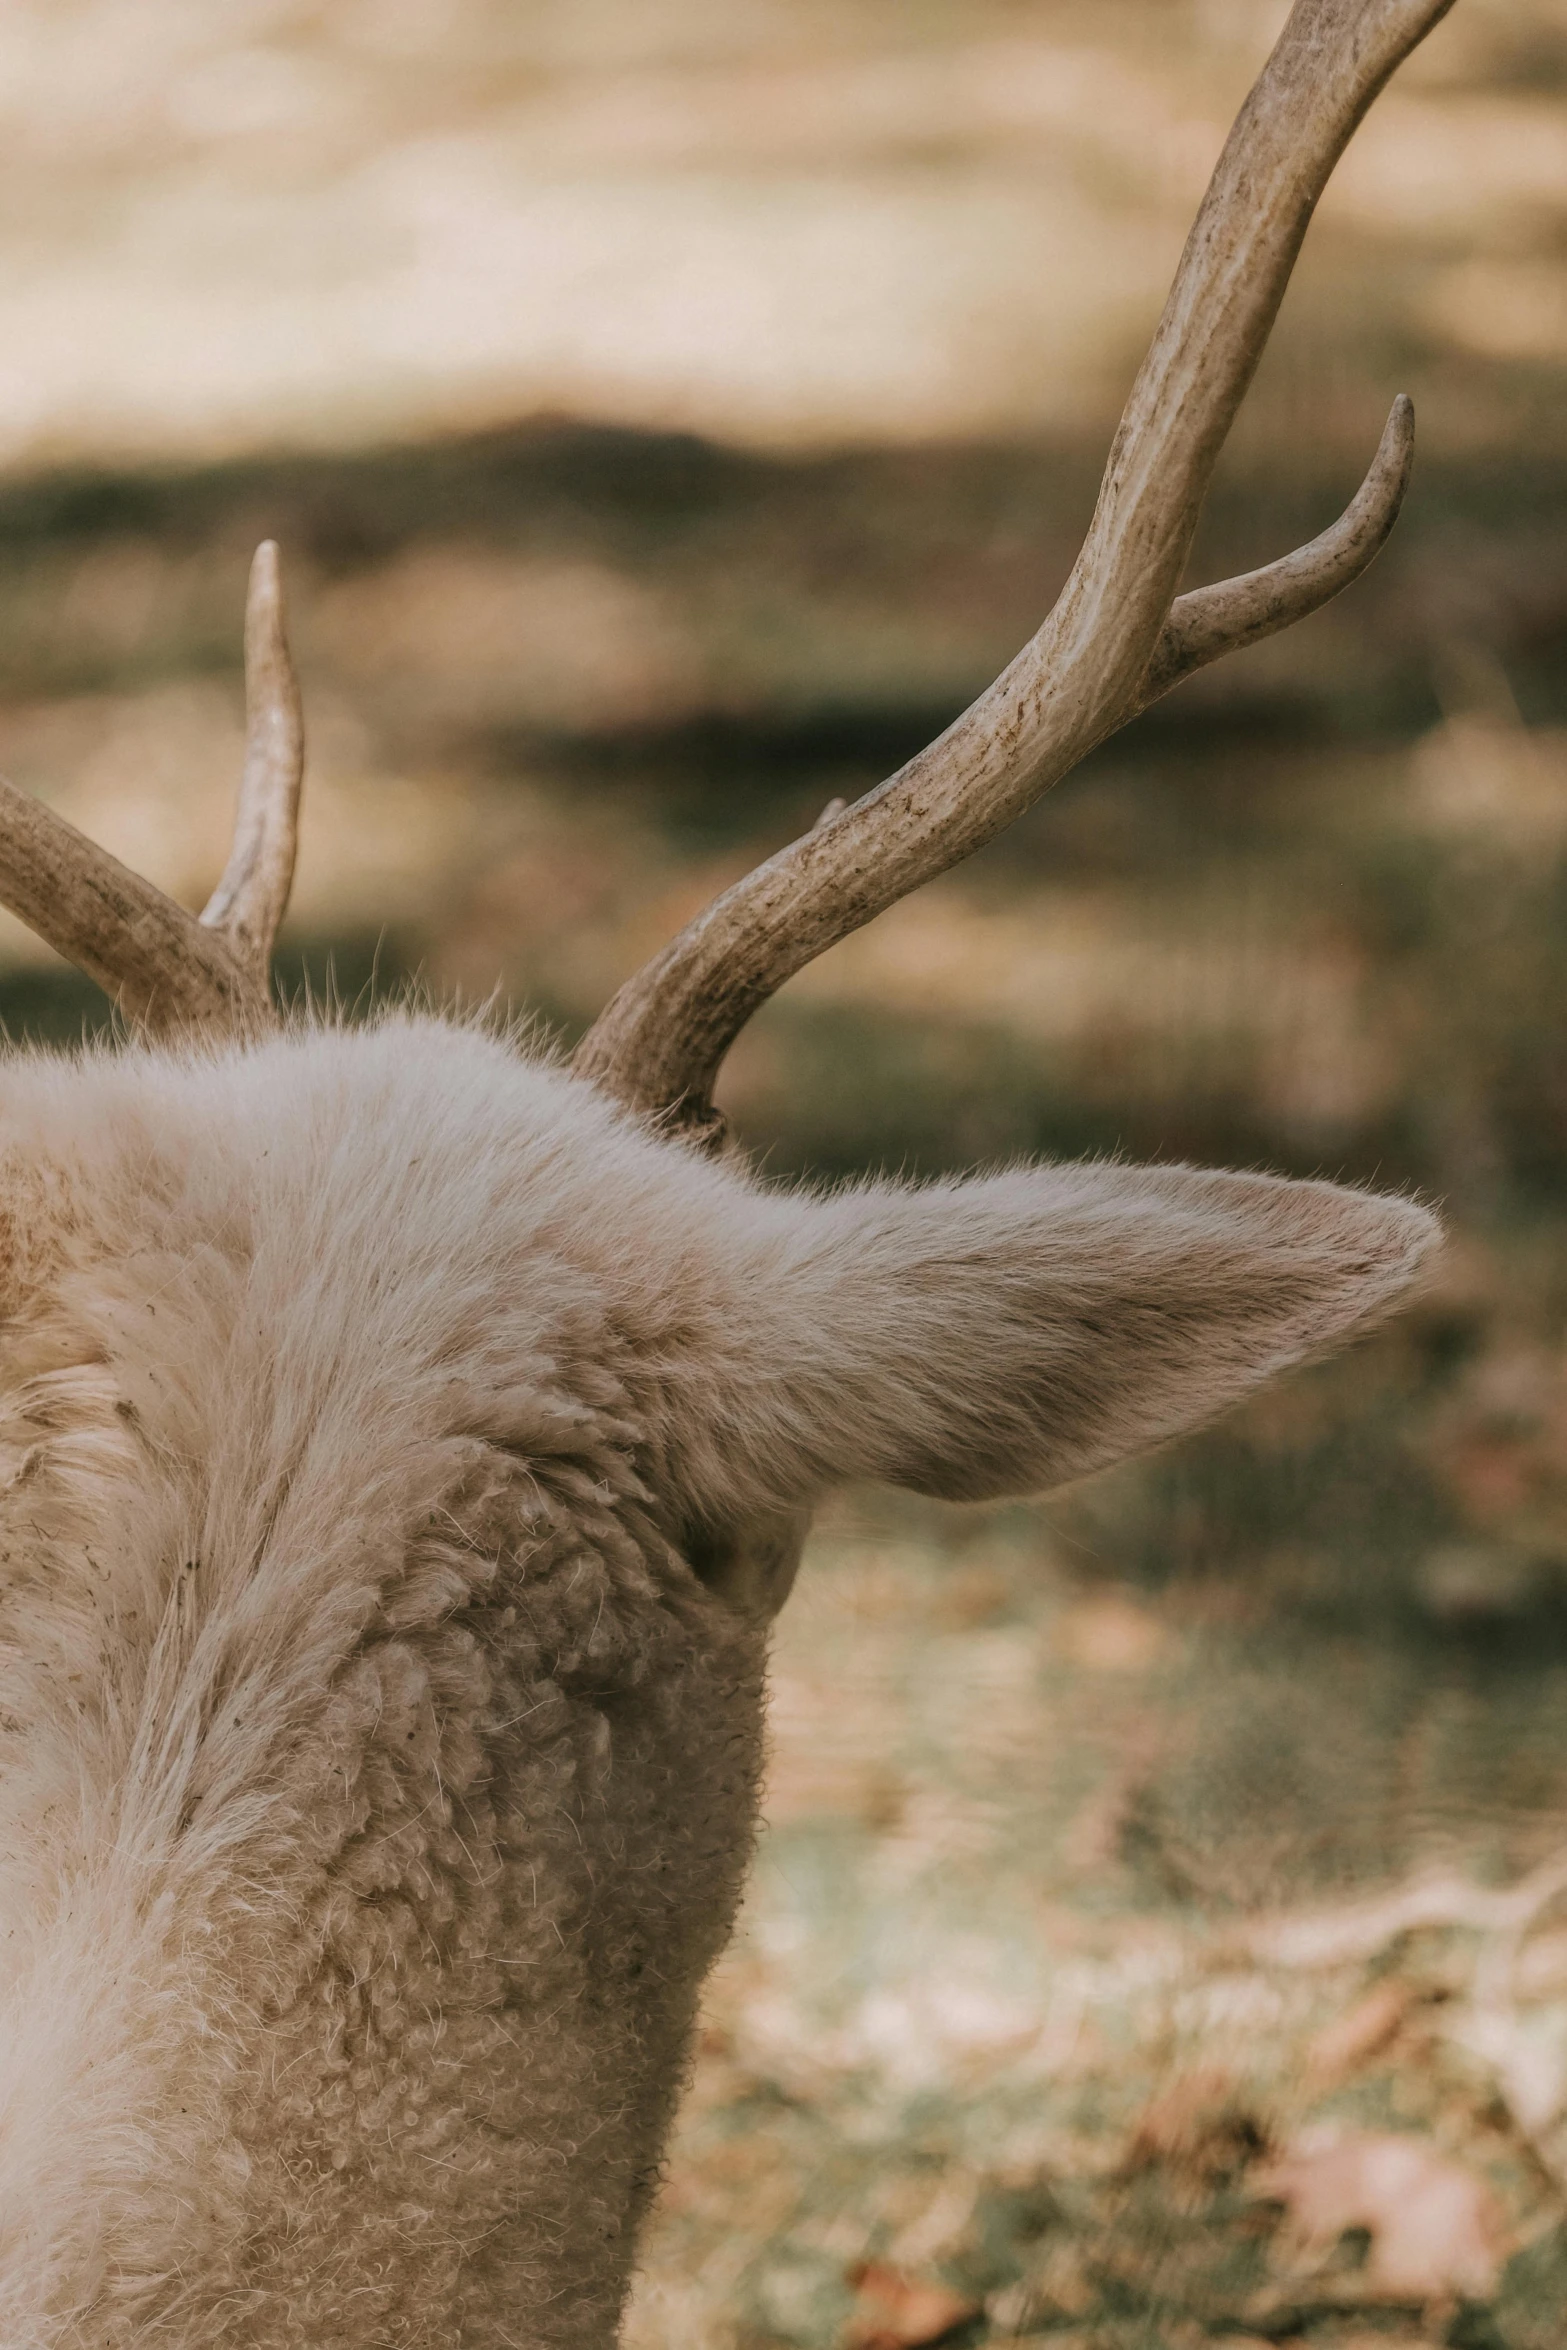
(672, 412)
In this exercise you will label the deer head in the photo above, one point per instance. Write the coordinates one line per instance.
(404, 1443)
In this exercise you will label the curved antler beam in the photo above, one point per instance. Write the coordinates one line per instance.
(165, 969)
(658, 1046)
(153, 958)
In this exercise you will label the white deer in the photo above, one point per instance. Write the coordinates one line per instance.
(405, 1443)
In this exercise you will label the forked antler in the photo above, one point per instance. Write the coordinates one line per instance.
(1117, 637)
(165, 968)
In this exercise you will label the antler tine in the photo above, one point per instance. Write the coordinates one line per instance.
(1215, 620)
(165, 969)
(1116, 636)
(248, 904)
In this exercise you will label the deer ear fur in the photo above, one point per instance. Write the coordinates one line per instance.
(1005, 1335)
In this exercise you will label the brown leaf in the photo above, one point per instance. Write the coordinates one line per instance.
(1353, 2039)
(895, 2312)
(1201, 2122)
(1108, 1634)
(1435, 2228)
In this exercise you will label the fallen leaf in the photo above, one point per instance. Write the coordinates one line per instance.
(1353, 2039)
(1434, 2227)
(1108, 1634)
(896, 2312)
(1528, 2055)
(1202, 2122)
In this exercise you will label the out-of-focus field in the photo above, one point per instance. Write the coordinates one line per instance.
(671, 414)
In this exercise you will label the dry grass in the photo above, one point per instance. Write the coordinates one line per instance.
(1015, 2010)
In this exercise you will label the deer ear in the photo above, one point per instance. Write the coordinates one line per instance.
(1006, 1335)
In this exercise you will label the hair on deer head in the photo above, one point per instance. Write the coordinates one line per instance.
(404, 1444)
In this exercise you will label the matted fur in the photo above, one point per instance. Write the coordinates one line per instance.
(402, 1453)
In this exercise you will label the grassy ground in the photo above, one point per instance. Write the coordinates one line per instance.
(1043, 1986)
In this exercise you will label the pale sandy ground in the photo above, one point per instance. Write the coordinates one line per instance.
(234, 223)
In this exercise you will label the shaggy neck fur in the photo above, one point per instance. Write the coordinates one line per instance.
(401, 1455)
(378, 1777)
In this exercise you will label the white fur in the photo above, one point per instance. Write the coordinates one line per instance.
(400, 1455)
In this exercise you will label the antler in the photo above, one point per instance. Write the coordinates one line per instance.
(1117, 637)
(249, 902)
(165, 968)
